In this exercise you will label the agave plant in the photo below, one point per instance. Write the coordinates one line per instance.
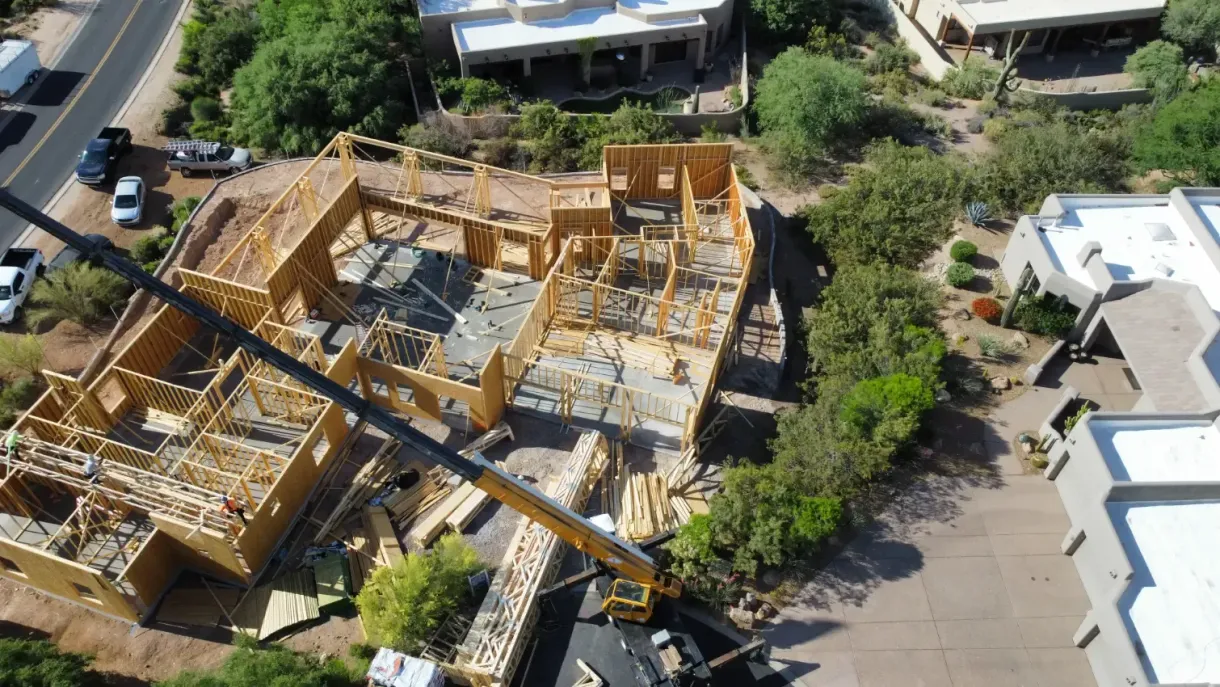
(976, 212)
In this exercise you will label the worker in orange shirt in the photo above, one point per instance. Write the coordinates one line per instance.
(230, 506)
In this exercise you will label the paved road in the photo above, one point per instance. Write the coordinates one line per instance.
(40, 141)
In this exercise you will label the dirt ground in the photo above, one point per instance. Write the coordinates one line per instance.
(51, 28)
(963, 333)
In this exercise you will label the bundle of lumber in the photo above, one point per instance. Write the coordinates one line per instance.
(361, 558)
(461, 503)
(405, 505)
(500, 630)
(366, 483)
(645, 509)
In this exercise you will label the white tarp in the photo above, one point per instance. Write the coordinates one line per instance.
(392, 669)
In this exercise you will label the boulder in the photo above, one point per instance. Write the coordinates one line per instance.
(1001, 383)
(741, 618)
(1020, 340)
(943, 396)
(961, 314)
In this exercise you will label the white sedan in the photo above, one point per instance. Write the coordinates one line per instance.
(128, 206)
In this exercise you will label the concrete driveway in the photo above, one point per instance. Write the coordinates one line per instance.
(961, 582)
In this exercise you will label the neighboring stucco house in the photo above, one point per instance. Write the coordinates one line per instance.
(1055, 24)
(527, 32)
(1142, 487)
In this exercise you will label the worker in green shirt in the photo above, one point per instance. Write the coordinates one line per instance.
(12, 444)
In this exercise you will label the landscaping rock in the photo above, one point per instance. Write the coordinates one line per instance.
(1000, 383)
(1021, 340)
(741, 618)
(943, 396)
(975, 124)
(771, 578)
(962, 314)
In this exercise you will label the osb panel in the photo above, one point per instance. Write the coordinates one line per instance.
(280, 507)
(206, 545)
(707, 164)
(491, 383)
(244, 304)
(54, 575)
(343, 368)
(311, 255)
(158, 342)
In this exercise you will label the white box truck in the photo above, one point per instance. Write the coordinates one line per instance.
(19, 66)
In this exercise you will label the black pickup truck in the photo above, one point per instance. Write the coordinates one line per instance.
(101, 156)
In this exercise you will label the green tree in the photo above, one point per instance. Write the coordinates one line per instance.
(223, 45)
(550, 136)
(1160, 67)
(629, 124)
(1183, 137)
(20, 354)
(875, 320)
(692, 549)
(1029, 163)
(890, 57)
(886, 410)
(898, 207)
(788, 21)
(79, 292)
(39, 663)
(401, 606)
(1193, 24)
(761, 517)
(822, 41)
(272, 666)
(805, 104)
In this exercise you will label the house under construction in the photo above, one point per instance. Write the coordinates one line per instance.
(437, 287)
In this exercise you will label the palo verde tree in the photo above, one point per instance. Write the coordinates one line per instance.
(1183, 138)
(898, 207)
(806, 104)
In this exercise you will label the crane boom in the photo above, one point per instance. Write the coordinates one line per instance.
(627, 560)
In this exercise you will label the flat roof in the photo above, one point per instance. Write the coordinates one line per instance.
(643, 6)
(1159, 450)
(1138, 242)
(999, 13)
(454, 6)
(1171, 606)
(667, 6)
(600, 22)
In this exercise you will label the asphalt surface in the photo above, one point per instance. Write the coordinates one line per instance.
(89, 105)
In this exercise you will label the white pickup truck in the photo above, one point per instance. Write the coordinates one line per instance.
(18, 268)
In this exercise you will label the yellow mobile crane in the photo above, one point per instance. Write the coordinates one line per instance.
(638, 583)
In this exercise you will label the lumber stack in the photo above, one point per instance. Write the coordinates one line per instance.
(367, 481)
(405, 505)
(646, 509)
(361, 558)
(377, 526)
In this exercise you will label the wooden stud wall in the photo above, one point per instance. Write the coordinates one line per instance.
(158, 342)
(244, 304)
(58, 576)
(203, 543)
(311, 255)
(149, 392)
(258, 540)
(706, 163)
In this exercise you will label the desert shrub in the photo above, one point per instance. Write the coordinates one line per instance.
(986, 308)
(20, 354)
(1161, 67)
(79, 292)
(15, 397)
(993, 347)
(181, 211)
(710, 133)
(146, 249)
(761, 517)
(205, 109)
(898, 207)
(959, 275)
(735, 97)
(39, 663)
(274, 665)
(972, 80)
(787, 21)
(932, 97)
(746, 177)
(404, 604)
(886, 410)
(1046, 314)
(174, 119)
(890, 57)
(437, 136)
(891, 85)
(481, 95)
(692, 549)
(963, 251)
(500, 152)
(1183, 137)
(1193, 24)
(630, 124)
(822, 41)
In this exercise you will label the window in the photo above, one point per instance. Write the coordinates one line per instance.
(666, 178)
(10, 567)
(17, 282)
(85, 593)
(618, 179)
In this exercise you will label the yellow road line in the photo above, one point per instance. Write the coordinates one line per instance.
(92, 76)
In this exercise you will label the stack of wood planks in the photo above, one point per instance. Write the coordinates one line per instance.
(281, 604)
(405, 505)
(645, 507)
(369, 480)
(462, 503)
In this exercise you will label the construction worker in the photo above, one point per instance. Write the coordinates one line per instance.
(12, 445)
(93, 468)
(230, 506)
